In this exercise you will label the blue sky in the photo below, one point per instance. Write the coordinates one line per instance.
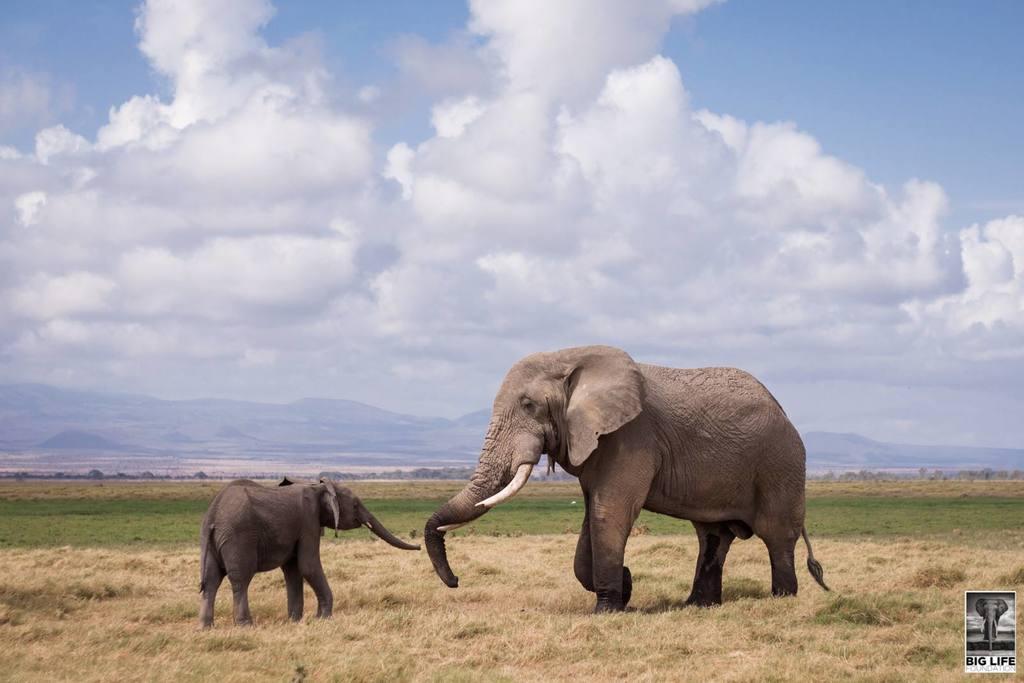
(917, 88)
(393, 201)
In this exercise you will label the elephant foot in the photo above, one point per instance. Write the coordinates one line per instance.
(609, 601)
(701, 601)
(704, 596)
(244, 623)
(627, 586)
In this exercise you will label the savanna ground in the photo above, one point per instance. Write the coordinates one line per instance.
(99, 582)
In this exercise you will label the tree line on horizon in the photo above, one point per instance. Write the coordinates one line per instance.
(463, 473)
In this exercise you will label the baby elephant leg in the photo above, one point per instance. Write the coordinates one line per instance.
(240, 596)
(212, 578)
(293, 582)
(313, 572)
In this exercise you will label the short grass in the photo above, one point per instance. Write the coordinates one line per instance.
(82, 514)
(100, 584)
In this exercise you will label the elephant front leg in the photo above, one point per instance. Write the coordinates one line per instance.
(293, 584)
(610, 525)
(583, 564)
(314, 574)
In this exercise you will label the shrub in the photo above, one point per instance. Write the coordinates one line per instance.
(937, 577)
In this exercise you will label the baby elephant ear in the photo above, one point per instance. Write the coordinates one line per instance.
(330, 497)
(604, 390)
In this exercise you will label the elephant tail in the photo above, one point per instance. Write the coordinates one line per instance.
(204, 548)
(813, 566)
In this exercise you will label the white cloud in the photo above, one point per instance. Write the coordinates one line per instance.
(566, 49)
(59, 141)
(28, 206)
(227, 277)
(243, 232)
(985, 320)
(399, 162)
(451, 117)
(45, 297)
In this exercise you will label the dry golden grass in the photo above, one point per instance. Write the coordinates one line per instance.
(116, 614)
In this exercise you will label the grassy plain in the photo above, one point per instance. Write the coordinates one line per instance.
(99, 583)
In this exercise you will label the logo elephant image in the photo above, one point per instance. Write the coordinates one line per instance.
(991, 610)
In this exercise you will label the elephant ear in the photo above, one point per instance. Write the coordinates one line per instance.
(1001, 610)
(330, 498)
(604, 390)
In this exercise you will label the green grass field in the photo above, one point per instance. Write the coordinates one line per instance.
(36, 514)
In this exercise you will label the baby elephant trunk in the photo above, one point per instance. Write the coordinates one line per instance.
(374, 525)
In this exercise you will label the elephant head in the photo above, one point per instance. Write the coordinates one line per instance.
(341, 509)
(558, 403)
(991, 610)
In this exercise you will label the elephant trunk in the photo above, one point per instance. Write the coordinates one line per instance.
(461, 509)
(374, 525)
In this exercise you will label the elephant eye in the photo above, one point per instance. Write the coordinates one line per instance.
(528, 405)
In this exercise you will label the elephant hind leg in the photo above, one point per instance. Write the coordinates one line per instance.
(240, 597)
(213, 576)
(714, 540)
(781, 554)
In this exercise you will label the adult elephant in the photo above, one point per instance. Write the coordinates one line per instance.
(710, 445)
(991, 610)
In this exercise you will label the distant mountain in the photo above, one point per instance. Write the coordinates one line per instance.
(43, 428)
(831, 451)
(79, 440)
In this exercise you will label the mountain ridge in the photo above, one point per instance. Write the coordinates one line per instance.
(46, 428)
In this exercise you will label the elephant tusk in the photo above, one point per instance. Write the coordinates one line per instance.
(518, 482)
(449, 527)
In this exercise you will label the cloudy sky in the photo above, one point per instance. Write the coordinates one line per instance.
(392, 202)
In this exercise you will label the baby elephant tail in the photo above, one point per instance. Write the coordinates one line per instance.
(204, 547)
(813, 566)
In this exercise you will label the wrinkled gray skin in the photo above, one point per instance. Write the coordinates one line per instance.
(251, 528)
(710, 445)
(991, 611)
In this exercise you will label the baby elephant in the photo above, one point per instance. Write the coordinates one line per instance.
(251, 528)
